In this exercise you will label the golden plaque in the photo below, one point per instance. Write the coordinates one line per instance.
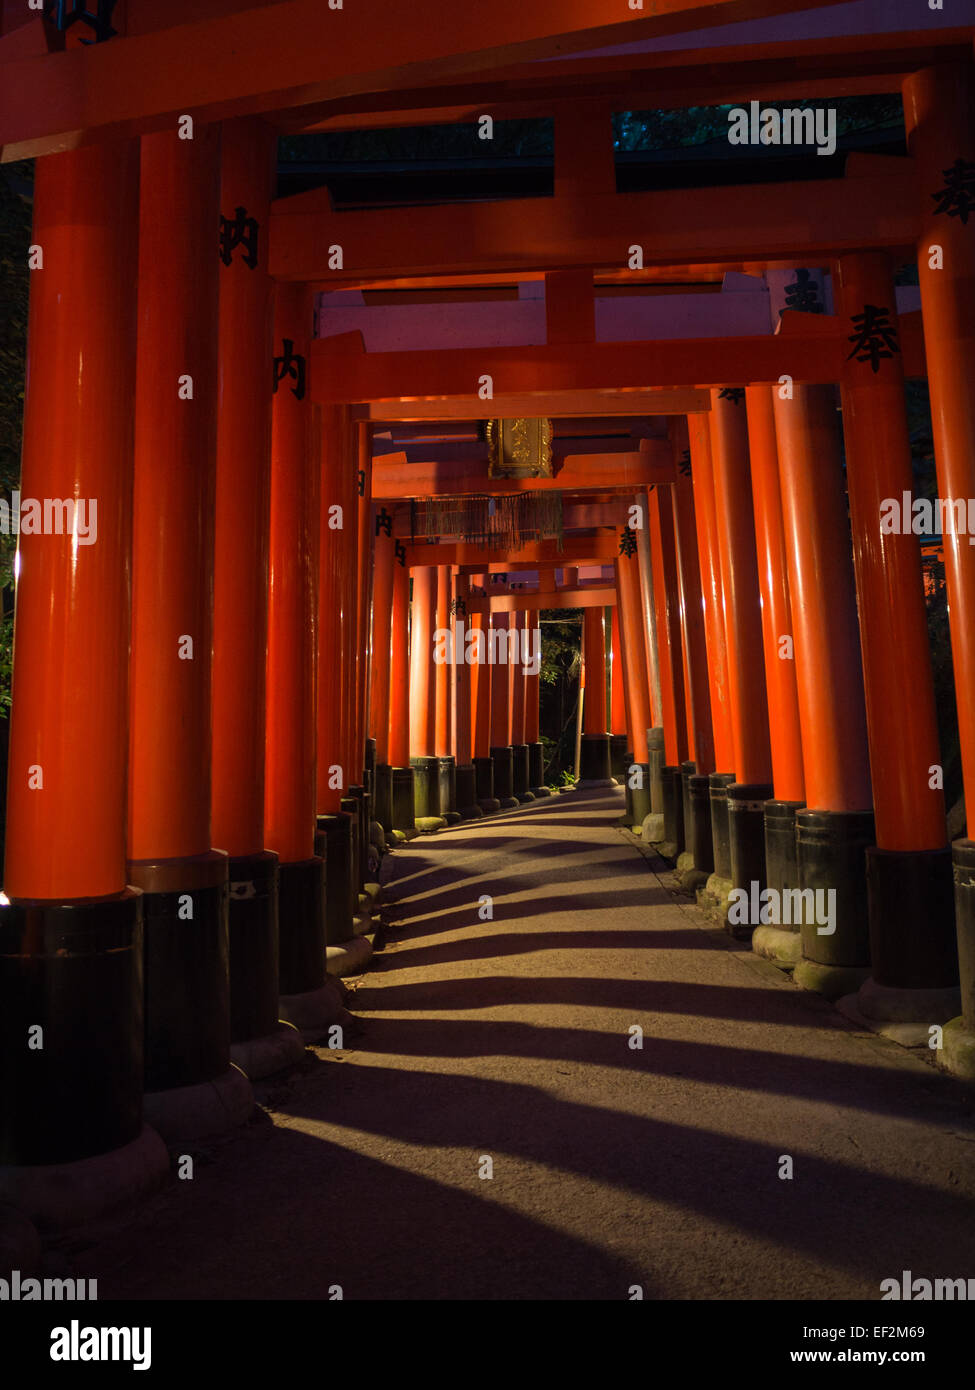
(519, 448)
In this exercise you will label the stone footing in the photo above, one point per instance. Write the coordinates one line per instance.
(349, 958)
(260, 1057)
(206, 1111)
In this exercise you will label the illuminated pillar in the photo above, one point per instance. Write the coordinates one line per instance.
(499, 655)
(399, 712)
(594, 758)
(465, 776)
(913, 950)
(673, 712)
(358, 796)
(834, 831)
(712, 586)
(697, 863)
(337, 545)
(617, 702)
(240, 575)
(445, 656)
(423, 701)
(939, 108)
(382, 648)
(192, 1090)
(629, 600)
(519, 682)
(778, 943)
(533, 691)
(746, 796)
(481, 702)
(70, 928)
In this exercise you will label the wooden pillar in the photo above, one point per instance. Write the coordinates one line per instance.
(187, 995)
(594, 753)
(833, 833)
(66, 795)
(912, 923)
(382, 649)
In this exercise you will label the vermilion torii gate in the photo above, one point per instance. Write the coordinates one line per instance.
(223, 706)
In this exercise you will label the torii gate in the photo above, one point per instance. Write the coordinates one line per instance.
(149, 783)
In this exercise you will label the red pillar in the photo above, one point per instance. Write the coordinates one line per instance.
(242, 493)
(290, 780)
(780, 666)
(909, 872)
(187, 987)
(66, 791)
(939, 108)
(441, 670)
(382, 640)
(660, 512)
(481, 678)
(364, 568)
(700, 732)
(629, 599)
(336, 663)
(712, 590)
(833, 833)
(399, 713)
(739, 578)
(423, 727)
(499, 651)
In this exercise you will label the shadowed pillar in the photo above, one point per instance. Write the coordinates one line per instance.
(834, 831)
(777, 942)
(617, 702)
(290, 790)
(192, 1092)
(533, 690)
(913, 951)
(70, 928)
(337, 829)
(240, 575)
(939, 109)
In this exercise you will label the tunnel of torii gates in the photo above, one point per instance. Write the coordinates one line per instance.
(232, 696)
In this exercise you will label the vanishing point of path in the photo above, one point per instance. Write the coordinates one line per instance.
(504, 1045)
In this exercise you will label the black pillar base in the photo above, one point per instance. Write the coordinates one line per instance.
(638, 796)
(746, 840)
(333, 843)
(912, 918)
(447, 789)
(594, 758)
(358, 795)
(350, 807)
(301, 926)
(831, 850)
(520, 787)
(719, 782)
(252, 929)
(426, 787)
(781, 859)
(536, 770)
(958, 1052)
(618, 757)
(75, 970)
(404, 813)
(186, 969)
(656, 758)
(484, 771)
(673, 792)
(699, 831)
(466, 784)
(382, 796)
(504, 777)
